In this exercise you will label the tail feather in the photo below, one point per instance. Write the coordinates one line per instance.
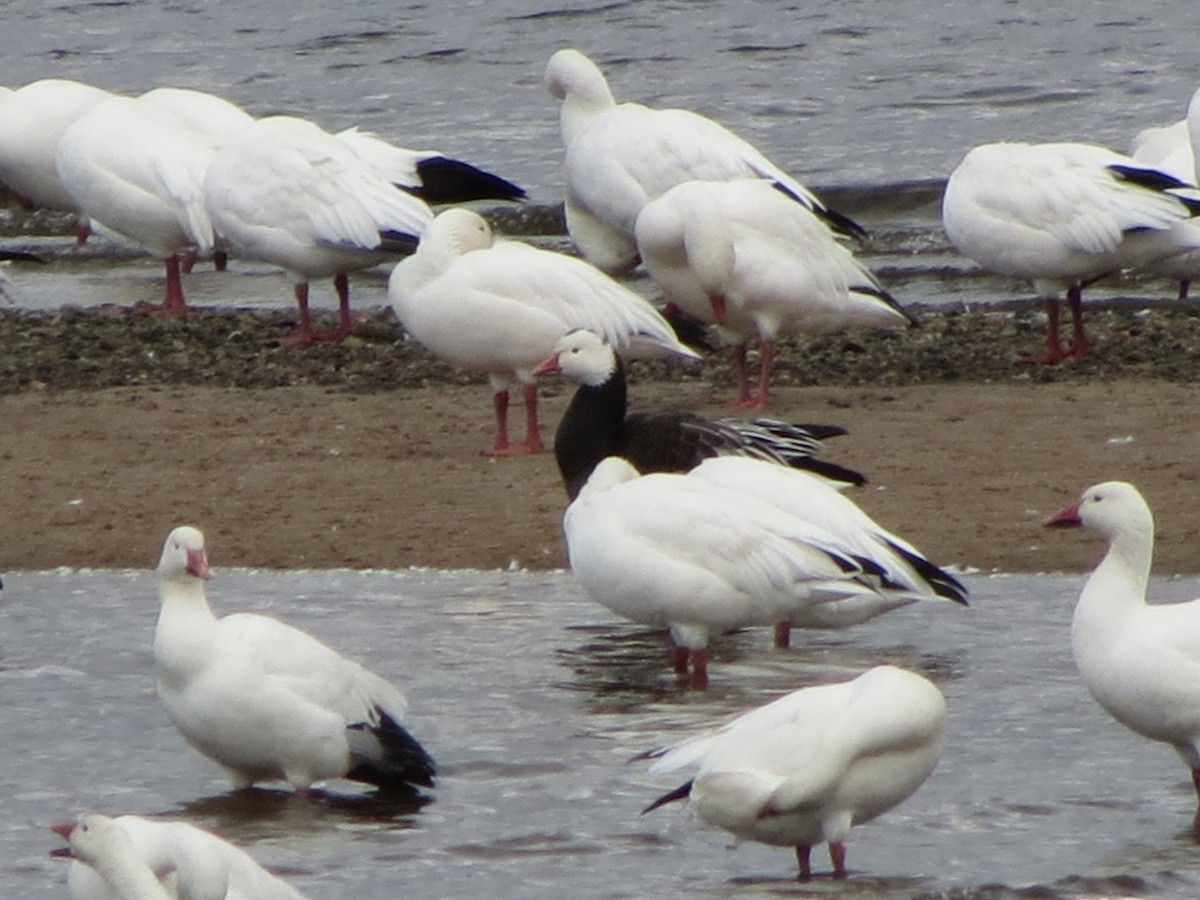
(388, 756)
(942, 582)
(446, 180)
(678, 794)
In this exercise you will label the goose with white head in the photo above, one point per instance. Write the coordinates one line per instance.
(268, 701)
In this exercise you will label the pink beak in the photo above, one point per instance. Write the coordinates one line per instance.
(197, 564)
(63, 828)
(548, 366)
(1065, 518)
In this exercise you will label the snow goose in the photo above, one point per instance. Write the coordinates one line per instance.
(619, 156)
(499, 307)
(189, 862)
(596, 425)
(129, 166)
(117, 870)
(1169, 149)
(268, 701)
(807, 767)
(287, 192)
(1063, 215)
(32, 119)
(1141, 661)
(743, 256)
(685, 552)
(428, 174)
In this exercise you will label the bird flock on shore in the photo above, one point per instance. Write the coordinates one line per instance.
(697, 526)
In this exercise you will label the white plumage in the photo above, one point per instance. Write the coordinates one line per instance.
(114, 858)
(1141, 661)
(702, 552)
(499, 307)
(287, 192)
(266, 700)
(620, 156)
(128, 165)
(744, 256)
(1063, 215)
(805, 768)
(32, 120)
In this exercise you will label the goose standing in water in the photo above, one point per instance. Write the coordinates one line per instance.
(1141, 661)
(268, 701)
(806, 768)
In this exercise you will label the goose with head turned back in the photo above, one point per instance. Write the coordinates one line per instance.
(499, 307)
(129, 165)
(287, 192)
(190, 862)
(118, 870)
(268, 701)
(743, 256)
(596, 425)
(32, 120)
(695, 555)
(807, 767)
(1064, 215)
(1141, 661)
(620, 156)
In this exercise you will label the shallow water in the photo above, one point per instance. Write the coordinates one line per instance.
(851, 94)
(533, 702)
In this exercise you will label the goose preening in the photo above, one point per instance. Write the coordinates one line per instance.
(32, 120)
(268, 701)
(1141, 661)
(1064, 215)
(743, 256)
(429, 174)
(499, 307)
(596, 424)
(115, 858)
(620, 156)
(285, 191)
(807, 767)
(129, 166)
(737, 542)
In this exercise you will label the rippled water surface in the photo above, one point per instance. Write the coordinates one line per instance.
(844, 93)
(533, 702)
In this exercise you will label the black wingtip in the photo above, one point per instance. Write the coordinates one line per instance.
(678, 794)
(942, 582)
(404, 762)
(841, 224)
(20, 256)
(446, 180)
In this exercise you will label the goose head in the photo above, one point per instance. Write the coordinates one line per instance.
(184, 556)
(1110, 509)
(570, 73)
(455, 232)
(582, 356)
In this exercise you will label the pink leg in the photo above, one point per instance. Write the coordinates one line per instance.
(783, 635)
(305, 334)
(743, 382)
(679, 659)
(220, 260)
(767, 351)
(803, 852)
(341, 284)
(187, 261)
(500, 407)
(699, 670)
(533, 437)
(1080, 342)
(83, 230)
(533, 432)
(173, 302)
(1053, 353)
(837, 855)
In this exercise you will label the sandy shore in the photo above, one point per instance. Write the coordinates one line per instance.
(314, 475)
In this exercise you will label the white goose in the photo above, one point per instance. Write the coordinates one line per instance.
(189, 863)
(1064, 215)
(805, 768)
(268, 701)
(620, 156)
(32, 119)
(287, 192)
(129, 166)
(596, 425)
(499, 307)
(117, 870)
(744, 256)
(693, 555)
(1141, 661)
